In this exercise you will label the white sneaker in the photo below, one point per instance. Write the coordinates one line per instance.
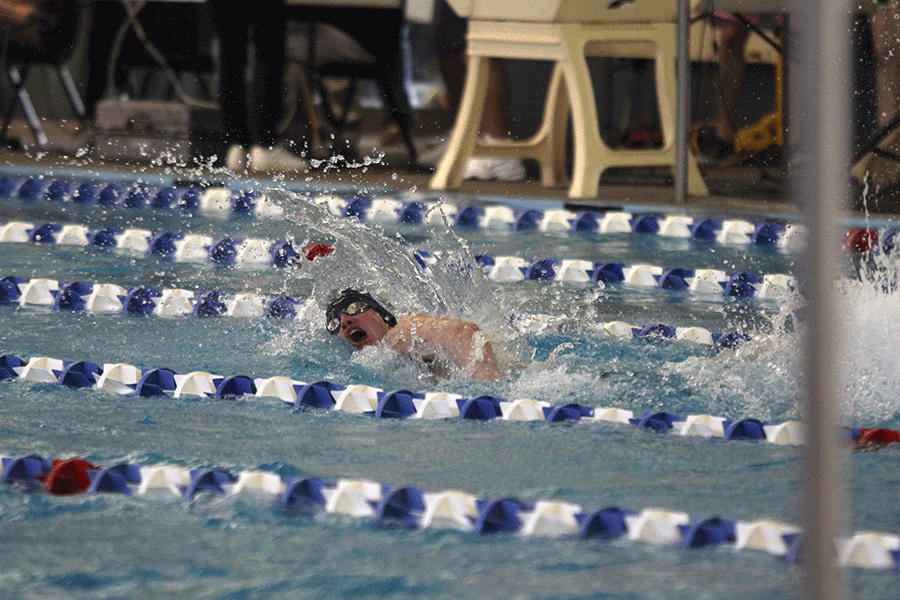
(275, 159)
(476, 168)
(506, 169)
(236, 158)
(499, 169)
(433, 154)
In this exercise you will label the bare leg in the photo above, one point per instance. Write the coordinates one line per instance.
(453, 71)
(886, 43)
(495, 121)
(730, 82)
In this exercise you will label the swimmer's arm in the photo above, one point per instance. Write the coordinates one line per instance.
(460, 341)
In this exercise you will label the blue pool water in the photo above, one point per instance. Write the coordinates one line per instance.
(245, 546)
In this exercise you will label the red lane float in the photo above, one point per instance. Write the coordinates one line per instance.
(861, 240)
(877, 437)
(68, 477)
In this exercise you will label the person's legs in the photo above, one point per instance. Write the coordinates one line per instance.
(268, 34)
(252, 134)
(452, 66)
(233, 29)
(450, 52)
(881, 172)
(730, 81)
(269, 28)
(495, 117)
(495, 126)
(495, 120)
(715, 140)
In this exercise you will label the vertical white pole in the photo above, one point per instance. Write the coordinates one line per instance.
(819, 122)
(683, 101)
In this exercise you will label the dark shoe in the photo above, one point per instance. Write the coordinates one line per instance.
(709, 145)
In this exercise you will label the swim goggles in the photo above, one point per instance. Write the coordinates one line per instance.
(352, 309)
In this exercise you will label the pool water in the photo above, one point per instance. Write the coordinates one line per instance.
(244, 546)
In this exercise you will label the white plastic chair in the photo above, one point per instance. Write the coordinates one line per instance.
(566, 32)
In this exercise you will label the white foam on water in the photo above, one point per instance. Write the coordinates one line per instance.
(869, 309)
(367, 258)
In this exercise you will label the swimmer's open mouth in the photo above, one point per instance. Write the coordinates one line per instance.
(356, 335)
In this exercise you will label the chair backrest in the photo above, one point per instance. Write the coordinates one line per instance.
(569, 11)
(609, 11)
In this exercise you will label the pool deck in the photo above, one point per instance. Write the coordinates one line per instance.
(734, 190)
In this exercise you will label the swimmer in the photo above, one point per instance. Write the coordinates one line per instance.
(444, 345)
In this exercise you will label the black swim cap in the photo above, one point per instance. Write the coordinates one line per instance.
(348, 296)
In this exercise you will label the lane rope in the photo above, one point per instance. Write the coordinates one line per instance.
(411, 507)
(177, 302)
(258, 252)
(130, 380)
(408, 506)
(223, 201)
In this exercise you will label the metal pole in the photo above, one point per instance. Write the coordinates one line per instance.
(820, 88)
(683, 101)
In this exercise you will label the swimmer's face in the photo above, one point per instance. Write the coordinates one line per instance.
(364, 329)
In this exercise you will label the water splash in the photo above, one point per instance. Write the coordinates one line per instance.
(868, 306)
(366, 258)
(761, 379)
(870, 309)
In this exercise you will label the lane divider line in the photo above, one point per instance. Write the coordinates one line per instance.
(228, 250)
(127, 379)
(411, 507)
(173, 302)
(223, 201)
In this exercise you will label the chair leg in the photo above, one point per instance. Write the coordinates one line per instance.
(667, 92)
(304, 101)
(403, 119)
(560, 122)
(591, 154)
(9, 101)
(65, 77)
(549, 141)
(465, 131)
(34, 122)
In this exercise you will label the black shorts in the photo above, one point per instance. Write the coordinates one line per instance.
(449, 29)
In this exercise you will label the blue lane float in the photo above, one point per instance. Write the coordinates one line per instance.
(502, 269)
(410, 507)
(510, 269)
(148, 301)
(141, 300)
(127, 379)
(164, 244)
(392, 208)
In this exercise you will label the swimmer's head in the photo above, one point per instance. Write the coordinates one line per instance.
(358, 318)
